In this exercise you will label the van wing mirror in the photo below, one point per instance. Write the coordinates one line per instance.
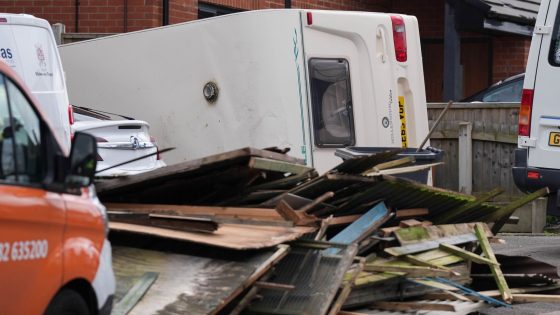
(83, 161)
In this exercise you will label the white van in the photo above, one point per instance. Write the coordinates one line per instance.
(311, 81)
(28, 46)
(537, 159)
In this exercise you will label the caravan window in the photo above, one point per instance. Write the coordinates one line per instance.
(331, 101)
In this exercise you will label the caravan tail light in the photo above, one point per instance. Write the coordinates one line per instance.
(525, 113)
(309, 18)
(399, 37)
(533, 175)
(70, 114)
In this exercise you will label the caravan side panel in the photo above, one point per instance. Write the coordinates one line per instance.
(158, 75)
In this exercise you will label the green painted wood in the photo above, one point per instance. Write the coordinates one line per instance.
(131, 298)
(502, 215)
(495, 268)
(433, 244)
(466, 254)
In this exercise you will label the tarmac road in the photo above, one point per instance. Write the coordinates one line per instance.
(543, 248)
(539, 247)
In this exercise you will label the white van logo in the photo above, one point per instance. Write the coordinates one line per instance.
(41, 57)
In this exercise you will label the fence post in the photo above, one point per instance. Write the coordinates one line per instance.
(465, 157)
(58, 29)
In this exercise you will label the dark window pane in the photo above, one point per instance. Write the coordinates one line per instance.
(331, 100)
(554, 54)
(508, 92)
(7, 159)
(26, 136)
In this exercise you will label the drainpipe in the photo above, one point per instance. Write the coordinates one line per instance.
(287, 4)
(125, 16)
(77, 17)
(165, 12)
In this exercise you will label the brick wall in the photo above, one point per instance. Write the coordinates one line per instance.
(430, 16)
(510, 55)
(109, 16)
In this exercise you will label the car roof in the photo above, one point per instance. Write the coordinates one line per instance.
(11, 74)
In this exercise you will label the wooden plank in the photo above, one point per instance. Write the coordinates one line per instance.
(423, 233)
(274, 286)
(533, 298)
(145, 179)
(131, 298)
(501, 216)
(446, 295)
(364, 226)
(299, 218)
(465, 157)
(236, 212)
(410, 271)
(233, 236)
(278, 166)
(347, 288)
(420, 262)
(344, 219)
(413, 306)
(466, 254)
(403, 170)
(415, 212)
(496, 293)
(432, 244)
(496, 271)
(391, 164)
(172, 222)
(439, 257)
(410, 223)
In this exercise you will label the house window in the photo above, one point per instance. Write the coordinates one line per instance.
(206, 10)
(331, 101)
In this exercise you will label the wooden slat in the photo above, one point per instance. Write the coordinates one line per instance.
(411, 271)
(466, 254)
(278, 166)
(532, 298)
(131, 298)
(404, 213)
(413, 306)
(427, 245)
(495, 268)
(242, 213)
(234, 236)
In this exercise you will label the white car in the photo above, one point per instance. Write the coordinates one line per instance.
(118, 141)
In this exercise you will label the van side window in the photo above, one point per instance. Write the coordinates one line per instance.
(331, 101)
(554, 54)
(7, 158)
(26, 136)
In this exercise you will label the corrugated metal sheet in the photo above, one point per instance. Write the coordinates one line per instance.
(461, 307)
(516, 10)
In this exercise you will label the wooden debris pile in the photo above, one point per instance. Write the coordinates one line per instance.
(356, 240)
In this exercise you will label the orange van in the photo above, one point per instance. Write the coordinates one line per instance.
(54, 254)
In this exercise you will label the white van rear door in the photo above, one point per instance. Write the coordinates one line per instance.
(545, 122)
(31, 52)
(359, 93)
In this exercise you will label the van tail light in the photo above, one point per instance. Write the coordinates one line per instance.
(399, 37)
(525, 113)
(70, 114)
(533, 175)
(153, 140)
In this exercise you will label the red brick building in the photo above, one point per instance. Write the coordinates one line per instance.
(486, 54)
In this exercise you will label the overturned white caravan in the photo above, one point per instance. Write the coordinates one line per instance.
(312, 81)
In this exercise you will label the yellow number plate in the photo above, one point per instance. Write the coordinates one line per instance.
(554, 139)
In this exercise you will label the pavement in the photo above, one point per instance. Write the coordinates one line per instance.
(544, 248)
